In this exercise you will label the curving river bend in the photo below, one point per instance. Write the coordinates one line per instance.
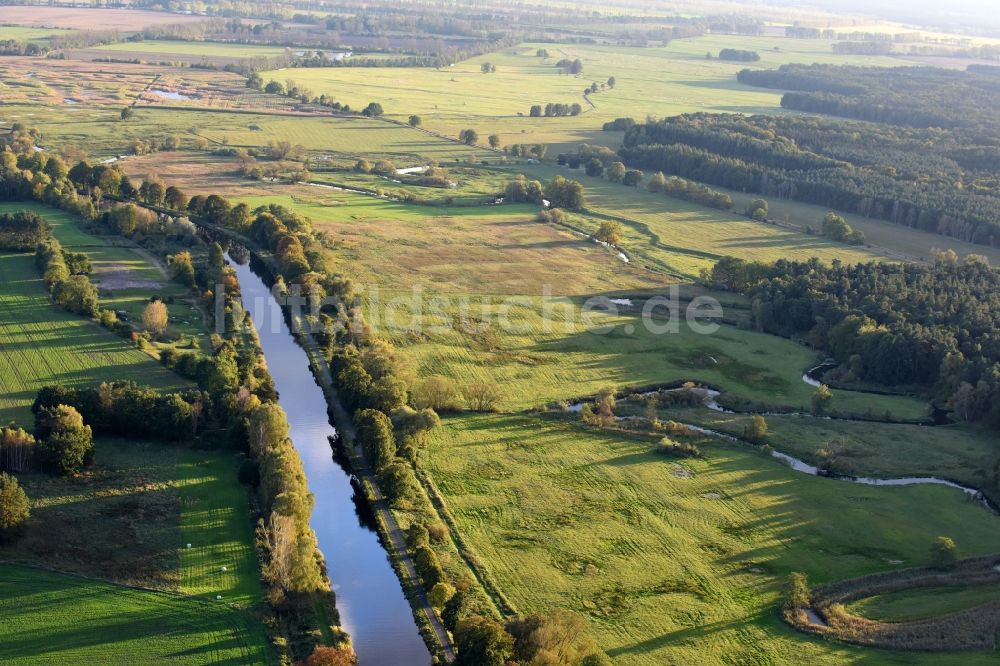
(373, 608)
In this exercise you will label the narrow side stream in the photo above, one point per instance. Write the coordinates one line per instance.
(373, 608)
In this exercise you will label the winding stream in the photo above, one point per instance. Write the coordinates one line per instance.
(373, 608)
(794, 463)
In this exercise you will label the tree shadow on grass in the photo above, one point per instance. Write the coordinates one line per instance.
(686, 635)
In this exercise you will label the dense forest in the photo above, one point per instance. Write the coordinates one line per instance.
(942, 181)
(936, 327)
(911, 96)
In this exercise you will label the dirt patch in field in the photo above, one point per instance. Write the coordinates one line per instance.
(118, 277)
(82, 18)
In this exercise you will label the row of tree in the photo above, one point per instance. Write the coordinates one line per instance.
(556, 110)
(74, 293)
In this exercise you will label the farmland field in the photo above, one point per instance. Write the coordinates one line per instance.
(660, 81)
(82, 18)
(63, 619)
(679, 561)
(166, 48)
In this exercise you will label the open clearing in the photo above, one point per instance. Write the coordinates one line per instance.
(129, 518)
(679, 568)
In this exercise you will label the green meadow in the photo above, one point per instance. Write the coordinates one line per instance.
(457, 250)
(680, 560)
(529, 348)
(661, 81)
(350, 138)
(214, 520)
(26, 34)
(684, 237)
(540, 352)
(56, 618)
(126, 276)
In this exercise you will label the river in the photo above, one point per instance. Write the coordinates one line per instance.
(373, 608)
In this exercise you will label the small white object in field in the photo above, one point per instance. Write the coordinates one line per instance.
(218, 597)
(224, 568)
(189, 545)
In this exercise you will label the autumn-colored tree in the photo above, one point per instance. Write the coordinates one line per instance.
(331, 656)
(155, 318)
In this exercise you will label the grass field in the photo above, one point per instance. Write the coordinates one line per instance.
(536, 359)
(177, 47)
(910, 244)
(128, 519)
(354, 137)
(908, 605)
(126, 276)
(680, 561)
(658, 81)
(477, 253)
(25, 34)
(46, 93)
(685, 237)
(214, 520)
(481, 250)
(60, 619)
